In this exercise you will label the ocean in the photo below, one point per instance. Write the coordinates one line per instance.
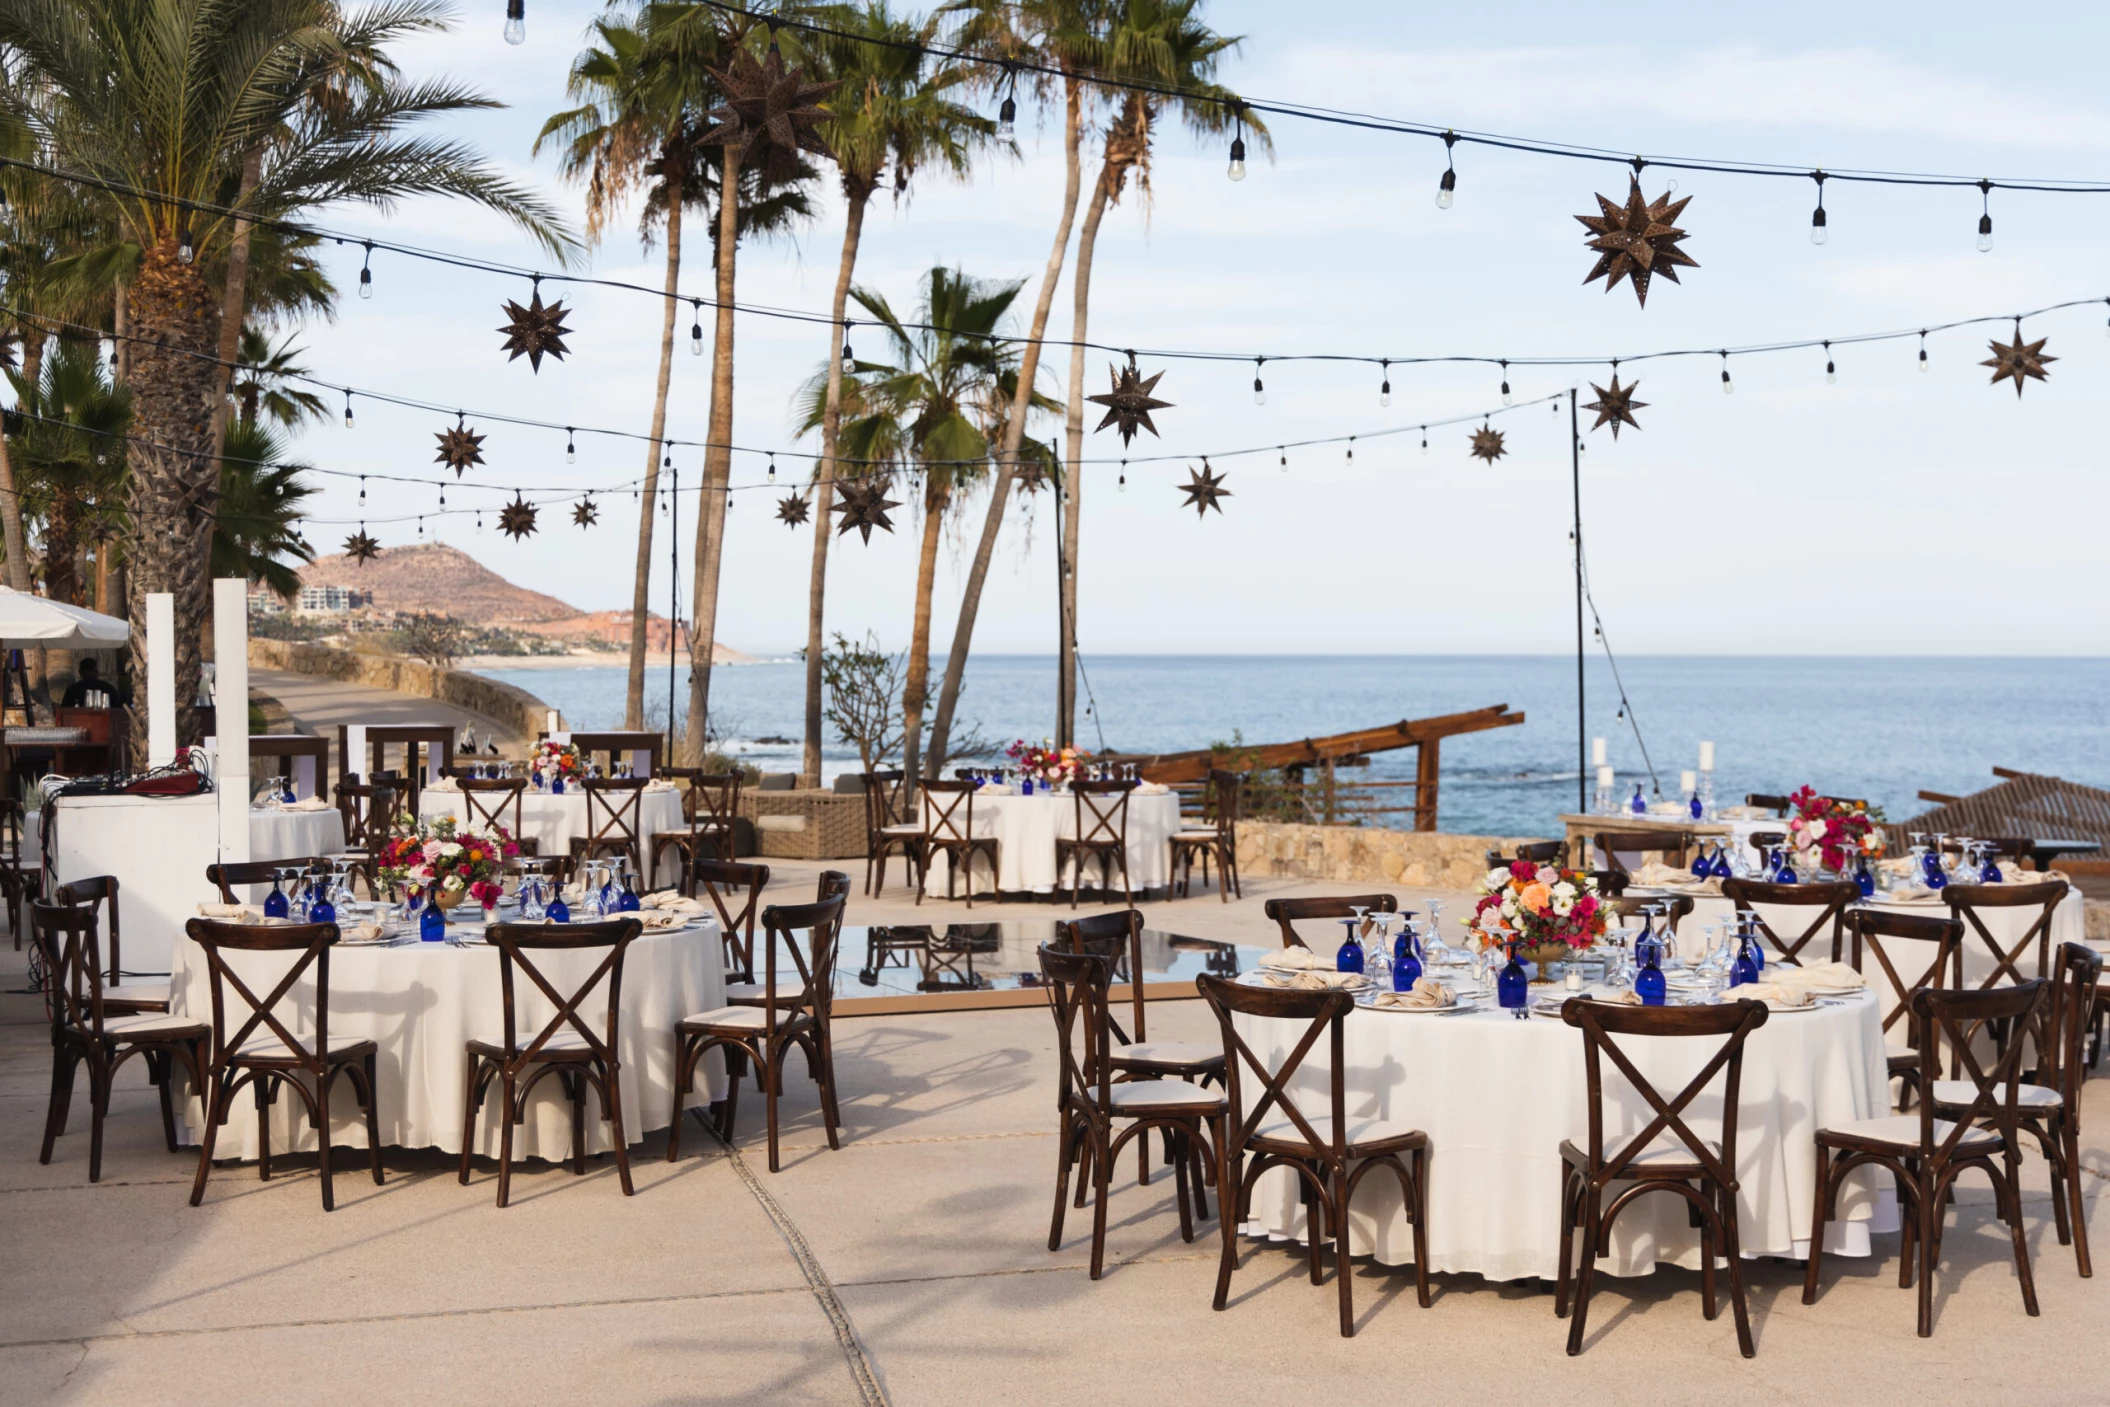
(1882, 728)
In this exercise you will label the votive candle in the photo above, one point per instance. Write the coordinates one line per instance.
(1604, 779)
(1706, 757)
(1597, 753)
(1688, 782)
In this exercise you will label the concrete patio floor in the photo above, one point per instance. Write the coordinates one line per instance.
(910, 1267)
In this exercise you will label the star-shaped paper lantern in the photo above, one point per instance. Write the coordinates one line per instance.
(1129, 404)
(864, 504)
(586, 513)
(361, 548)
(460, 448)
(1637, 241)
(517, 519)
(2017, 360)
(1487, 444)
(1203, 490)
(1616, 404)
(791, 510)
(535, 330)
(769, 112)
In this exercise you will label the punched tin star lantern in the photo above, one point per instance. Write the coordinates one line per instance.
(460, 448)
(586, 513)
(1615, 405)
(1487, 444)
(791, 510)
(1203, 491)
(769, 112)
(517, 519)
(2017, 360)
(864, 506)
(1129, 403)
(1637, 241)
(535, 330)
(361, 548)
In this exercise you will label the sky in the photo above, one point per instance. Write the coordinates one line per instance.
(1891, 511)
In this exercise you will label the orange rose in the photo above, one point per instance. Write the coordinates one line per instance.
(1536, 896)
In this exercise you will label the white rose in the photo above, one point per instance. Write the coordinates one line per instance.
(452, 883)
(1816, 830)
(1548, 874)
(1496, 879)
(1564, 890)
(450, 847)
(1562, 906)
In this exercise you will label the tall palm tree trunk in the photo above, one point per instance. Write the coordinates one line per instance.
(11, 534)
(234, 298)
(641, 585)
(1071, 489)
(717, 470)
(824, 491)
(915, 686)
(173, 315)
(1014, 434)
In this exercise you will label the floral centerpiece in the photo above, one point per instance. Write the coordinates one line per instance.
(1045, 762)
(1550, 914)
(447, 862)
(553, 761)
(1832, 833)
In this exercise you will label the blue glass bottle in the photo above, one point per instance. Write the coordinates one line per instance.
(1406, 957)
(1696, 807)
(1639, 805)
(1648, 977)
(1350, 957)
(432, 924)
(559, 911)
(1864, 877)
(275, 905)
(1512, 988)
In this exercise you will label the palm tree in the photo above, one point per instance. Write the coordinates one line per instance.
(263, 381)
(70, 457)
(182, 106)
(641, 105)
(256, 523)
(889, 113)
(933, 409)
(1161, 43)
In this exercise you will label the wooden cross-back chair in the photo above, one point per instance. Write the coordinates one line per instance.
(497, 801)
(1926, 1154)
(99, 893)
(1671, 844)
(369, 812)
(725, 881)
(2048, 1104)
(1668, 1155)
(1278, 1132)
(434, 740)
(1089, 1099)
(1215, 838)
(1884, 935)
(1288, 912)
(620, 746)
(888, 829)
(710, 802)
(791, 1014)
(613, 806)
(948, 829)
(264, 1053)
(1538, 852)
(568, 1045)
(1830, 900)
(244, 873)
(87, 1029)
(19, 883)
(1101, 820)
(2012, 962)
(1676, 907)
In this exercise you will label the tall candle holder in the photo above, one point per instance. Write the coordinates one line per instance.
(1706, 793)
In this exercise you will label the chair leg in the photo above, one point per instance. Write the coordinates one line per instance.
(2070, 1137)
(99, 1076)
(322, 1138)
(1343, 1272)
(263, 1089)
(215, 1115)
(1709, 1304)
(684, 1079)
(470, 1108)
(508, 1098)
(161, 1069)
(614, 1076)
(831, 1112)
(1810, 1269)
(1587, 1278)
(1229, 1206)
(771, 1076)
(1065, 1155)
(373, 1119)
(1733, 1246)
(1179, 1183)
(1419, 1161)
(63, 1059)
(1102, 1141)
(2014, 1206)
(1566, 1274)
(575, 1089)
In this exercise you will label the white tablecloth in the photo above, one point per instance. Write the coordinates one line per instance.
(1497, 1095)
(1027, 827)
(423, 1002)
(552, 821)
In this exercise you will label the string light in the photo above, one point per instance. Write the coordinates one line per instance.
(571, 446)
(849, 360)
(185, 250)
(1831, 370)
(1384, 391)
(1728, 386)
(696, 328)
(1424, 439)
(421, 525)
(772, 471)
(347, 409)
(1283, 450)
(366, 272)
(1447, 185)
(1923, 349)
(1818, 233)
(362, 497)
(1985, 219)
(1507, 398)
(1351, 451)
(516, 21)
(1007, 115)
(1259, 391)
(1237, 170)
(1122, 485)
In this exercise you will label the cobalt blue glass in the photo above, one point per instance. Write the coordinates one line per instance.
(275, 905)
(629, 902)
(322, 910)
(556, 786)
(1406, 961)
(1648, 978)
(1864, 877)
(432, 924)
(1639, 806)
(1783, 870)
(1701, 865)
(1749, 961)
(1512, 988)
(1990, 874)
(1350, 957)
(1695, 807)
(559, 911)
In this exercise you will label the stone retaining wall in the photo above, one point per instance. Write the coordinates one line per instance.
(1367, 855)
(515, 711)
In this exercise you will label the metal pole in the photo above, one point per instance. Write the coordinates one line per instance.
(1062, 624)
(673, 603)
(1582, 728)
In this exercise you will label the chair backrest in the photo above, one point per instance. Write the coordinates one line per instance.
(1538, 852)
(1966, 900)
(612, 807)
(1076, 984)
(1226, 800)
(494, 801)
(2077, 972)
(1829, 900)
(1778, 805)
(94, 892)
(369, 809)
(833, 884)
(1600, 1022)
(1675, 907)
(823, 924)
(1883, 934)
(515, 941)
(312, 941)
(1102, 812)
(948, 810)
(885, 802)
(1668, 843)
(247, 872)
(1762, 841)
(11, 827)
(1117, 937)
(713, 799)
(65, 937)
(725, 881)
(1953, 1018)
(1286, 912)
(622, 746)
(1324, 1014)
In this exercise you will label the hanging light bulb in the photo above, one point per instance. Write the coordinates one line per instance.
(348, 419)
(1818, 233)
(772, 468)
(1507, 398)
(1237, 171)
(1447, 186)
(421, 525)
(1831, 370)
(1351, 451)
(1985, 219)
(1283, 450)
(1424, 439)
(1122, 485)
(696, 329)
(185, 250)
(1923, 349)
(848, 358)
(1007, 114)
(516, 21)
(1728, 386)
(366, 272)
(571, 446)
(362, 497)
(1384, 391)
(1259, 391)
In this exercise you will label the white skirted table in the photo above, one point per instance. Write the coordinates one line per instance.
(422, 1002)
(1027, 827)
(554, 821)
(1496, 1096)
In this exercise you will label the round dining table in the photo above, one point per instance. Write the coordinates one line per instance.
(1496, 1096)
(420, 1003)
(553, 821)
(1027, 827)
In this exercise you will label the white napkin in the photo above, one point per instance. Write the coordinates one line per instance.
(362, 932)
(1151, 789)
(1312, 980)
(443, 784)
(997, 789)
(1656, 874)
(311, 803)
(1617, 998)
(1296, 960)
(659, 784)
(657, 919)
(1785, 995)
(232, 913)
(1427, 996)
(673, 901)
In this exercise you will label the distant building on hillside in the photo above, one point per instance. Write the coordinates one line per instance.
(333, 598)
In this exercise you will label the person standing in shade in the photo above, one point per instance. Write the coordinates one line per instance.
(89, 689)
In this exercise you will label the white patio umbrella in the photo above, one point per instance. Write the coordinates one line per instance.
(28, 621)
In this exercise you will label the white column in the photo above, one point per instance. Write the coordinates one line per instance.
(161, 678)
(230, 625)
